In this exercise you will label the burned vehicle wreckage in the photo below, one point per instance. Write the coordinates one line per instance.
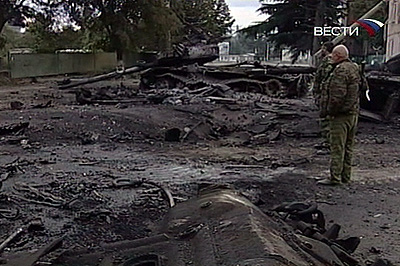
(220, 226)
(182, 159)
(187, 72)
(190, 74)
(384, 89)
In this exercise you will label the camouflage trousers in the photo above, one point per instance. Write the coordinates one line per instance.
(342, 134)
(324, 124)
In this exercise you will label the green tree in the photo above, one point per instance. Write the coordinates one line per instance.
(17, 12)
(206, 20)
(241, 43)
(117, 25)
(13, 39)
(44, 37)
(158, 27)
(291, 22)
(12, 10)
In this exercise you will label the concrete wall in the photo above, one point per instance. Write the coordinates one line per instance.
(36, 65)
(3, 63)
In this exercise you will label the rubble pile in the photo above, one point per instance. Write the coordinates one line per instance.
(117, 184)
(221, 227)
(275, 82)
(180, 85)
(236, 104)
(105, 95)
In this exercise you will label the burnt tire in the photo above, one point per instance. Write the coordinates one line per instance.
(273, 87)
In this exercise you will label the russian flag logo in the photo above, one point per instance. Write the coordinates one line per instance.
(371, 25)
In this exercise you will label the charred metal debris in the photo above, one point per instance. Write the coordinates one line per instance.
(383, 95)
(323, 243)
(218, 227)
(189, 83)
(242, 101)
(187, 74)
(186, 79)
(12, 200)
(221, 227)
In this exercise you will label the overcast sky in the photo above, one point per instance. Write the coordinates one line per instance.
(244, 11)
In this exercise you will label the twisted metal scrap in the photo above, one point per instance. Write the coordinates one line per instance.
(31, 194)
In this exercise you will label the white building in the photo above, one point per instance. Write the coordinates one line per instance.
(223, 50)
(225, 56)
(393, 29)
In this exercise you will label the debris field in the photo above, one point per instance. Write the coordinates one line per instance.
(91, 171)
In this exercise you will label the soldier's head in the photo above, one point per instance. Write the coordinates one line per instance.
(340, 53)
(327, 48)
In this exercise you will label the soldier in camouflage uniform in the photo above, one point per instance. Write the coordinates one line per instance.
(341, 106)
(324, 69)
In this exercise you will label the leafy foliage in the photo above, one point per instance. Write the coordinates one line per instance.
(42, 38)
(12, 10)
(116, 25)
(134, 25)
(291, 22)
(206, 20)
(18, 12)
(240, 44)
(46, 40)
(13, 39)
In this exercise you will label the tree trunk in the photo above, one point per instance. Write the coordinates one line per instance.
(3, 21)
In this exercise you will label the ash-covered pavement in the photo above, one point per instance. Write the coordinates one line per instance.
(59, 171)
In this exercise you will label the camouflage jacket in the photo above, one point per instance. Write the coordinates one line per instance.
(342, 90)
(323, 71)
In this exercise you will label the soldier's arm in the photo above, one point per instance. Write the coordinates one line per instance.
(337, 90)
(353, 90)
